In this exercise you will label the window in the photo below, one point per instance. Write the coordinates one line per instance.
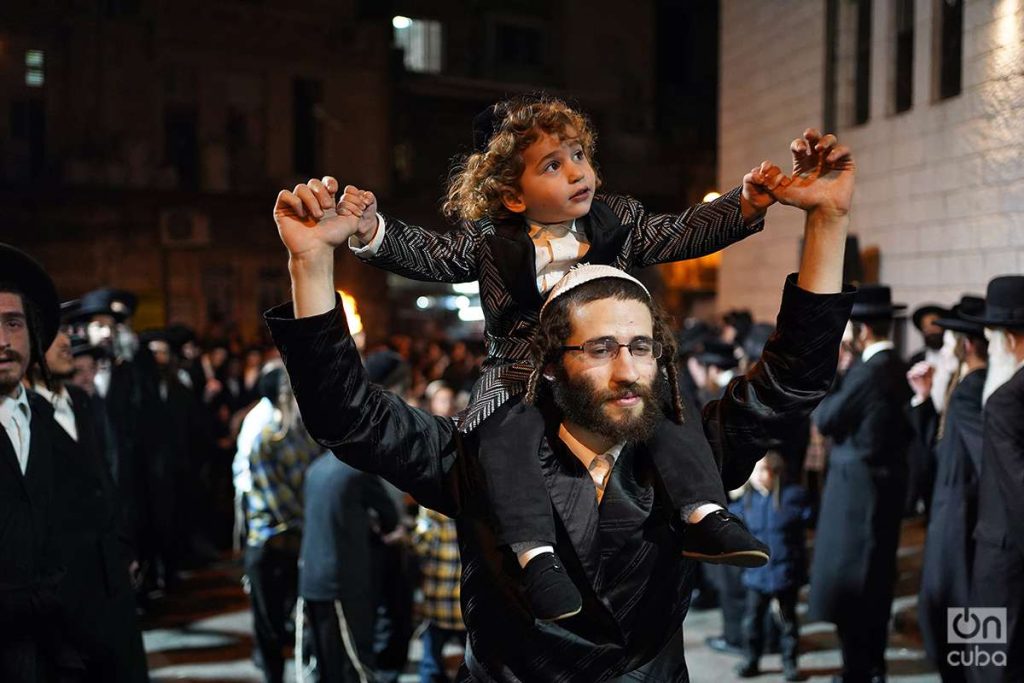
(862, 78)
(518, 45)
(28, 133)
(950, 48)
(34, 68)
(306, 97)
(421, 41)
(903, 76)
(181, 143)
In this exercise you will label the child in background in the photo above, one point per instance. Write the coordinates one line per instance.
(527, 200)
(778, 513)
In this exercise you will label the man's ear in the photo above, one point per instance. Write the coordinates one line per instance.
(513, 201)
(549, 372)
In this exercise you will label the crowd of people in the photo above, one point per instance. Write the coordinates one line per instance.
(569, 487)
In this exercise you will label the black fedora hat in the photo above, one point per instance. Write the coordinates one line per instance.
(80, 346)
(929, 309)
(22, 271)
(1004, 303)
(117, 303)
(718, 353)
(955, 321)
(872, 302)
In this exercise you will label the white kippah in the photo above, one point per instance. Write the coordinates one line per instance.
(582, 273)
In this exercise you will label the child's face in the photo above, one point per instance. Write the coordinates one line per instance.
(557, 183)
(763, 474)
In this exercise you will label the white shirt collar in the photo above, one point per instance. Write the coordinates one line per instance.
(51, 397)
(873, 348)
(584, 454)
(20, 400)
(563, 227)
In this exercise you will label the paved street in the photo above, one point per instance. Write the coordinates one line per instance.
(203, 632)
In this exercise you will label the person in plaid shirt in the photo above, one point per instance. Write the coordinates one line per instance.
(437, 546)
(278, 461)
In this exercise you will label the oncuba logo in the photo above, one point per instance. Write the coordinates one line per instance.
(974, 626)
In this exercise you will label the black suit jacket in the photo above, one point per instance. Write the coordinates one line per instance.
(500, 254)
(623, 556)
(93, 541)
(1001, 487)
(854, 564)
(32, 629)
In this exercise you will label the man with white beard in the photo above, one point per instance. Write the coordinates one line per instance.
(998, 569)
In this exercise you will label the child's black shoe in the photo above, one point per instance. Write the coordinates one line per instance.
(747, 669)
(722, 538)
(549, 590)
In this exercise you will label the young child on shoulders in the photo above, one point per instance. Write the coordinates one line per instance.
(529, 209)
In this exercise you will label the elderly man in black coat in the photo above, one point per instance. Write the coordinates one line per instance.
(33, 642)
(854, 567)
(952, 441)
(998, 569)
(603, 417)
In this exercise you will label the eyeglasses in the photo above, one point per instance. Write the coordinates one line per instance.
(606, 349)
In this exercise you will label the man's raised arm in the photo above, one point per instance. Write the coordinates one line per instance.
(365, 426)
(762, 407)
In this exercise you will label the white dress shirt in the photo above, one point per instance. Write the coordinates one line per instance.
(16, 419)
(63, 410)
(875, 347)
(599, 465)
(559, 246)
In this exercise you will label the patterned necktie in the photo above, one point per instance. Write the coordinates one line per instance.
(600, 468)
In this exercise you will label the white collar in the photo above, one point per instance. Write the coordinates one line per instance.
(876, 347)
(21, 399)
(52, 397)
(584, 454)
(569, 226)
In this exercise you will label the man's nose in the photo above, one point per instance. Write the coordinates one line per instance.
(624, 368)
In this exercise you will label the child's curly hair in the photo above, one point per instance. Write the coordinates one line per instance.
(555, 327)
(477, 182)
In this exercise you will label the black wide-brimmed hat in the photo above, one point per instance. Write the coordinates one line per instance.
(1004, 303)
(22, 271)
(718, 353)
(873, 302)
(117, 303)
(929, 309)
(80, 346)
(955, 321)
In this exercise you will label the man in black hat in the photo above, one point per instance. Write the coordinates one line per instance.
(925, 319)
(33, 644)
(854, 567)
(952, 442)
(91, 534)
(101, 316)
(998, 568)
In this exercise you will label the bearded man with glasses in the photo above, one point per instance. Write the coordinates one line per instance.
(601, 414)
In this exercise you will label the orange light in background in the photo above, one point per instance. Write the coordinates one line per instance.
(711, 196)
(348, 302)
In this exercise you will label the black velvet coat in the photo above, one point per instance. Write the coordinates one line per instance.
(948, 549)
(93, 542)
(853, 570)
(998, 568)
(622, 555)
(33, 631)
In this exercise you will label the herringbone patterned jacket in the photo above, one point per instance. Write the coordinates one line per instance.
(501, 256)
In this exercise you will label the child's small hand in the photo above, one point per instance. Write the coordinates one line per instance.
(362, 204)
(757, 187)
(307, 221)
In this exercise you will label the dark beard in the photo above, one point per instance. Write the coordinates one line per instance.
(933, 341)
(583, 405)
